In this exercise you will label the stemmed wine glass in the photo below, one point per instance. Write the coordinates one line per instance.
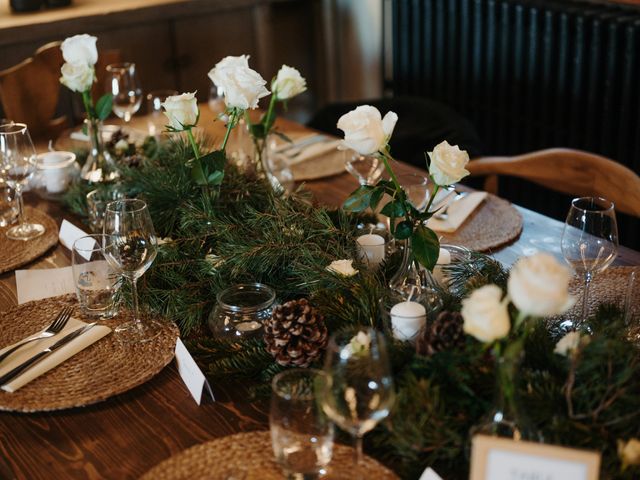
(125, 87)
(358, 391)
(17, 164)
(589, 241)
(130, 250)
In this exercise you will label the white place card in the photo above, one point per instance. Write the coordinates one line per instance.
(495, 458)
(37, 284)
(430, 474)
(69, 233)
(191, 374)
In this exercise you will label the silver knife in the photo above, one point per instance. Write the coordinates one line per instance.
(303, 143)
(7, 377)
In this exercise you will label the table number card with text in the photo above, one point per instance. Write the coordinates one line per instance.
(494, 458)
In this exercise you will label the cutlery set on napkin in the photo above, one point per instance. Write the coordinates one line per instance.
(42, 351)
(454, 210)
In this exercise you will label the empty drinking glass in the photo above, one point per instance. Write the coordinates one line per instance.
(589, 241)
(417, 189)
(125, 87)
(97, 201)
(157, 119)
(96, 282)
(301, 433)
(366, 168)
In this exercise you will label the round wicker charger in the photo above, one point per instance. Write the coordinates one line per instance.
(493, 224)
(248, 456)
(102, 370)
(15, 253)
(609, 286)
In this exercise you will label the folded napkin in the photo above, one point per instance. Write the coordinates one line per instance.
(311, 151)
(54, 359)
(457, 213)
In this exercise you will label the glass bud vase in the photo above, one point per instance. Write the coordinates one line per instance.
(414, 282)
(506, 418)
(99, 166)
(273, 167)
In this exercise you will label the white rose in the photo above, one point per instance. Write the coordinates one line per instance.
(629, 452)
(288, 83)
(80, 49)
(485, 314)
(539, 286)
(447, 164)
(342, 267)
(365, 131)
(568, 344)
(242, 86)
(77, 77)
(181, 110)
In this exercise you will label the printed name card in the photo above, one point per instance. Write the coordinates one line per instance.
(43, 283)
(69, 233)
(495, 458)
(430, 474)
(191, 374)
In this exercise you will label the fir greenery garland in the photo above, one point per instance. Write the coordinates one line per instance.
(244, 231)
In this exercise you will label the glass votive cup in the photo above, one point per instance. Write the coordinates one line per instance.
(97, 201)
(450, 256)
(96, 282)
(241, 311)
(55, 170)
(367, 169)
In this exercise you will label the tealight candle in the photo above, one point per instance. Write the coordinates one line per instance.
(407, 318)
(55, 170)
(371, 248)
(444, 258)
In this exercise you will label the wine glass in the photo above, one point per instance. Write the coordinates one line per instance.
(130, 250)
(301, 433)
(125, 87)
(589, 241)
(17, 164)
(358, 391)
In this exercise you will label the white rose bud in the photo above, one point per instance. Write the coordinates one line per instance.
(242, 86)
(447, 164)
(77, 77)
(80, 49)
(629, 452)
(485, 314)
(181, 110)
(365, 131)
(539, 286)
(342, 267)
(569, 343)
(288, 83)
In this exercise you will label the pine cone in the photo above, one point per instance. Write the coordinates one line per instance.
(295, 334)
(445, 333)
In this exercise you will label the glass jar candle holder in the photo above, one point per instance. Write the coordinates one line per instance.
(241, 311)
(55, 170)
(450, 256)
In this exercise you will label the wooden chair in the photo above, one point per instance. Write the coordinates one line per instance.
(30, 91)
(573, 172)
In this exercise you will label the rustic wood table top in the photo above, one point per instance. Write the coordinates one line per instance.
(125, 436)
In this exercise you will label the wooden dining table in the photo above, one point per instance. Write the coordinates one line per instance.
(126, 435)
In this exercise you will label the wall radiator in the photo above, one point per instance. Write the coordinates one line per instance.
(529, 74)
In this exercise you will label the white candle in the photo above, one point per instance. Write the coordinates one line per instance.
(444, 258)
(407, 318)
(371, 248)
(55, 170)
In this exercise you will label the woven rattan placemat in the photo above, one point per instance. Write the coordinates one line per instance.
(248, 456)
(493, 224)
(15, 253)
(102, 370)
(609, 286)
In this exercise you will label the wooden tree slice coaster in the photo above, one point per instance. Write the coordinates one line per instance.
(107, 368)
(16, 253)
(249, 456)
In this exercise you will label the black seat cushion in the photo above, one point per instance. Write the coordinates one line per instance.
(422, 124)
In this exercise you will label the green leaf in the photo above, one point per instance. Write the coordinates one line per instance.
(359, 200)
(197, 173)
(376, 196)
(425, 246)
(395, 208)
(213, 161)
(103, 106)
(257, 130)
(216, 178)
(404, 230)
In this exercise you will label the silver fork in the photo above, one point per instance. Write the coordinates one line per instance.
(56, 327)
(444, 214)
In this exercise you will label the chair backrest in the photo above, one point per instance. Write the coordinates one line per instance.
(573, 172)
(30, 91)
